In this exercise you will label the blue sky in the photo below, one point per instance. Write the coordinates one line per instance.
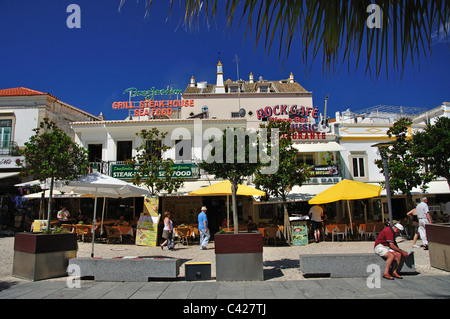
(90, 67)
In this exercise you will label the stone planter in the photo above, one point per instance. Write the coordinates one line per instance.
(42, 256)
(239, 257)
(438, 236)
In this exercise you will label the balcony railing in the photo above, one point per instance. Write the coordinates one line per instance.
(9, 149)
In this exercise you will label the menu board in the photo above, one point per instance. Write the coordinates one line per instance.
(39, 225)
(147, 225)
(299, 233)
(147, 231)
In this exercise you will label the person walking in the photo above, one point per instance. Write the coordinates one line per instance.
(415, 225)
(203, 228)
(316, 213)
(386, 247)
(423, 214)
(167, 232)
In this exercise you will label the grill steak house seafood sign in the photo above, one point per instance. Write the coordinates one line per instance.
(149, 106)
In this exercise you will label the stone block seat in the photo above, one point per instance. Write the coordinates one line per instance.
(135, 269)
(348, 265)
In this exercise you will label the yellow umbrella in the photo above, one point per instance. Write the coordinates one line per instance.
(346, 190)
(224, 188)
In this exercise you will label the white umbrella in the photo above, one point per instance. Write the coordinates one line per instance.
(104, 186)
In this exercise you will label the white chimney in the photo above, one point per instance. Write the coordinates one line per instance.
(251, 77)
(220, 88)
(291, 78)
(192, 81)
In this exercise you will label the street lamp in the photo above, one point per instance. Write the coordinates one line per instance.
(386, 177)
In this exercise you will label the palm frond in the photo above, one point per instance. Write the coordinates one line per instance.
(337, 28)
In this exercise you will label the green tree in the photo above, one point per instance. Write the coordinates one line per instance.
(405, 169)
(153, 171)
(289, 173)
(51, 154)
(432, 146)
(338, 29)
(232, 157)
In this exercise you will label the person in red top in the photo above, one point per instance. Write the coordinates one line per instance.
(386, 247)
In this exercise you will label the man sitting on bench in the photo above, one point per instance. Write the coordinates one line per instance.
(386, 247)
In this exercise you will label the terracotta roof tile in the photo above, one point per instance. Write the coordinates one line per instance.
(20, 91)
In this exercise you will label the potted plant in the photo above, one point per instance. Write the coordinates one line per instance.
(49, 154)
(43, 255)
(238, 255)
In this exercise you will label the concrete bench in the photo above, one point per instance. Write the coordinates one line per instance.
(136, 269)
(348, 265)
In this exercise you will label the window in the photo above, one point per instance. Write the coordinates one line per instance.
(233, 89)
(95, 152)
(124, 150)
(305, 158)
(5, 136)
(183, 150)
(264, 89)
(154, 148)
(358, 165)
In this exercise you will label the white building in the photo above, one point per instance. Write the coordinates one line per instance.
(358, 132)
(21, 110)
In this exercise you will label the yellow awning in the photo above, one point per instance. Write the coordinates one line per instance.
(224, 188)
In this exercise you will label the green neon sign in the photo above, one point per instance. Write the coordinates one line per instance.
(150, 94)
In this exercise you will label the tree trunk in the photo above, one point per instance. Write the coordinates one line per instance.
(49, 213)
(287, 222)
(234, 187)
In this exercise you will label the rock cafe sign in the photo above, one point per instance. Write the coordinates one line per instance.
(303, 128)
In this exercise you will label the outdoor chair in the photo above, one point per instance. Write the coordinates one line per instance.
(340, 229)
(84, 232)
(370, 230)
(112, 234)
(67, 227)
(183, 234)
(271, 233)
(378, 228)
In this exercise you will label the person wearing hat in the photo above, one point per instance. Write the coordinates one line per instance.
(203, 228)
(386, 247)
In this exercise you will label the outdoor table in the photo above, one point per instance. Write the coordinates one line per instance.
(125, 230)
(329, 229)
(278, 234)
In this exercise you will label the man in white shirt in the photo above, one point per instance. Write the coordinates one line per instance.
(423, 214)
(316, 213)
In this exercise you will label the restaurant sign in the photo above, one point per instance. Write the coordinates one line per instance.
(149, 106)
(124, 171)
(305, 122)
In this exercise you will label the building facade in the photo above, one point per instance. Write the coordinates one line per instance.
(21, 110)
(336, 149)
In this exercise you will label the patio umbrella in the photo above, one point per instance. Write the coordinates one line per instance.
(346, 190)
(97, 184)
(224, 188)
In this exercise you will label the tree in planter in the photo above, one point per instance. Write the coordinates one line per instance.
(289, 173)
(233, 157)
(51, 154)
(432, 146)
(153, 171)
(405, 169)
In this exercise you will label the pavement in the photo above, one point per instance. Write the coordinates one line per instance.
(282, 283)
(410, 287)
